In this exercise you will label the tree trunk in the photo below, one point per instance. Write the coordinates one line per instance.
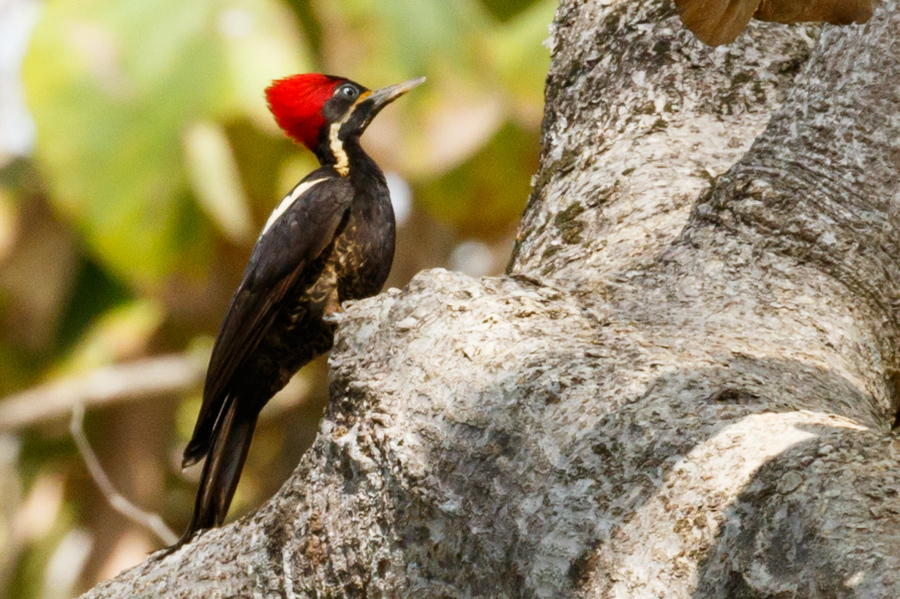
(684, 387)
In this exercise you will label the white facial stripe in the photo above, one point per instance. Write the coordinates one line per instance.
(342, 165)
(334, 141)
(287, 202)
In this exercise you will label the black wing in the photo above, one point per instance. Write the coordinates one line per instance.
(300, 228)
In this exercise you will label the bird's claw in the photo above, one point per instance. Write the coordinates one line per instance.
(334, 318)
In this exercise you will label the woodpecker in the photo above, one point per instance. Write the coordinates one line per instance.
(330, 239)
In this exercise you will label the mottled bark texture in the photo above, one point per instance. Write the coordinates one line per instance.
(684, 387)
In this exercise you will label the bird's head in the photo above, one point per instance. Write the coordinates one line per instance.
(311, 108)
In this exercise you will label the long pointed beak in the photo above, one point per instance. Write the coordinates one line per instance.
(384, 96)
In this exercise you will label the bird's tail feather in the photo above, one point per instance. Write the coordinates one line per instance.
(222, 469)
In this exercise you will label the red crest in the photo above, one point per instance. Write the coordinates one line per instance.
(297, 101)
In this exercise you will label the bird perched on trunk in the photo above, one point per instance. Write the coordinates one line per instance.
(330, 239)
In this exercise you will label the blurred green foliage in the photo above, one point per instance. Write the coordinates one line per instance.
(124, 233)
(114, 88)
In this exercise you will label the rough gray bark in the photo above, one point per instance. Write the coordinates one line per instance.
(683, 388)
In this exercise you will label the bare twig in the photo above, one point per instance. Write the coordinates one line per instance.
(147, 519)
(122, 382)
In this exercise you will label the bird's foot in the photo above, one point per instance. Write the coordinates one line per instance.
(334, 313)
(334, 318)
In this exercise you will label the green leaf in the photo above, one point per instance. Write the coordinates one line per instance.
(411, 36)
(521, 61)
(216, 180)
(120, 333)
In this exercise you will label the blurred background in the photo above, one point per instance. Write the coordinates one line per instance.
(137, 165)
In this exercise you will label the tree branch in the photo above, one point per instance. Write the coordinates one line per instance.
(148, 520)
(151, 377)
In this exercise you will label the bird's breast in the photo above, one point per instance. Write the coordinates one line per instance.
(364, 249)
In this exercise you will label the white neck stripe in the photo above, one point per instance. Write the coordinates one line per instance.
(334, 141)
(342, 165)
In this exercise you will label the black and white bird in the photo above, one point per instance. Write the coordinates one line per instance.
(330, 239)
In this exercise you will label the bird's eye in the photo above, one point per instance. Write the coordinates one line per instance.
(348, 91)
